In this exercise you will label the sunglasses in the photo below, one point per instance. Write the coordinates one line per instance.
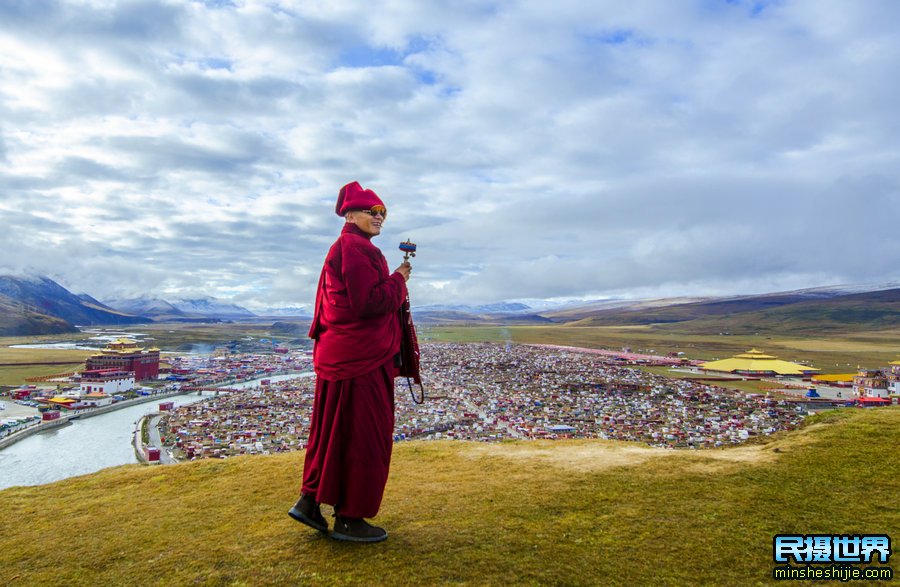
(376, 210)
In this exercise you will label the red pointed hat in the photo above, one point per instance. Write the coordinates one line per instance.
(353, 197)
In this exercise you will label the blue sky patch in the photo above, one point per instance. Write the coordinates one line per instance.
(370, 56)
(216, 63)
(615, 37)
(367, 56)
(754, 7)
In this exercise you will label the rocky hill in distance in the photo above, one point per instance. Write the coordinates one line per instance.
(35, 305)
(206, 309)
(39, 305)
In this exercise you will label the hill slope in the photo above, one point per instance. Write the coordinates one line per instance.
(17, 319)
(689, 311)
(788, 312)
(863, 312)
(41, 295)
(579, 512)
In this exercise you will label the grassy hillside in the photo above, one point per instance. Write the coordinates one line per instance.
(866, 312)
(579, 512)
(681, 312)
(43, 295)
(785, 313)
(18, 319)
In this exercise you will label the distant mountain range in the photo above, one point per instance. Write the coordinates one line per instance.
(181, 310)
(834, 308)
(824, 309)
(155, 308)
(854, 312)
(211, 307)
(39, 305)
(288, 312)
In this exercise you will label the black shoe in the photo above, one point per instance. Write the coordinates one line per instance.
(356, 530)
(307, 511)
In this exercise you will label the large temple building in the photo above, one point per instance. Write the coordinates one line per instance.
(126, 355)
(755, 362)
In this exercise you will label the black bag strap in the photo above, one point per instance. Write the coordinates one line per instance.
(412, 393)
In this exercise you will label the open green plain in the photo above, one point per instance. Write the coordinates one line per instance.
(180, 336)
(836, 353)
(15, 367)
(515, 513)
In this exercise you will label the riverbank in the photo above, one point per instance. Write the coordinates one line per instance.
(83, 414)
(39, 427)
(80, 447)
(140, 450)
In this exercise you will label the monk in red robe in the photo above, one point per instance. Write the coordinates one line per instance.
(357, 332)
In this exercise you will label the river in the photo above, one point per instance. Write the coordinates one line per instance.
(254, 383)
(82, 447)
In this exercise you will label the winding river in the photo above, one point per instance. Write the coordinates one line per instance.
(82, 447)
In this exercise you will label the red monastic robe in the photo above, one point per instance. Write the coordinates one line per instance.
(357, 332)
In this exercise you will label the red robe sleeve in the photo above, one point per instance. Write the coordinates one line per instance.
(370, 293)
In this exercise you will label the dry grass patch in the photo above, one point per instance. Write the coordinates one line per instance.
(17, 373)
(598, 455)
(582, 456)
(11, 355)
(13, 376)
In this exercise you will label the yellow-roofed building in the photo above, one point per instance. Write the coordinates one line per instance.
(125, 355)
(755, 362)
(63, 402)
(835, 379)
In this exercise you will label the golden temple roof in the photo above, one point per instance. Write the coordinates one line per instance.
(754, 361)
(755, 355)
(122, 346)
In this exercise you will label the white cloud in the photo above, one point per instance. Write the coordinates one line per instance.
(532, 149)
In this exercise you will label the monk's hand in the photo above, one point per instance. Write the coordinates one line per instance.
(404, 270)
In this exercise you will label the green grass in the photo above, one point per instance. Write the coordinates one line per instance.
(747, 386)
(17, 375)
(14, 376)
(574, 513)
(831, 354)
(10, 355)
(171, 336)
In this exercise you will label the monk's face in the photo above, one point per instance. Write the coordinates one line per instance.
(367, 223)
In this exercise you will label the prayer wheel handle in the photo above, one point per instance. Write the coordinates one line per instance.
(409, 250)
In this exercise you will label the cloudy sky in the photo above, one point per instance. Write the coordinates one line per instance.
(532, 149)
